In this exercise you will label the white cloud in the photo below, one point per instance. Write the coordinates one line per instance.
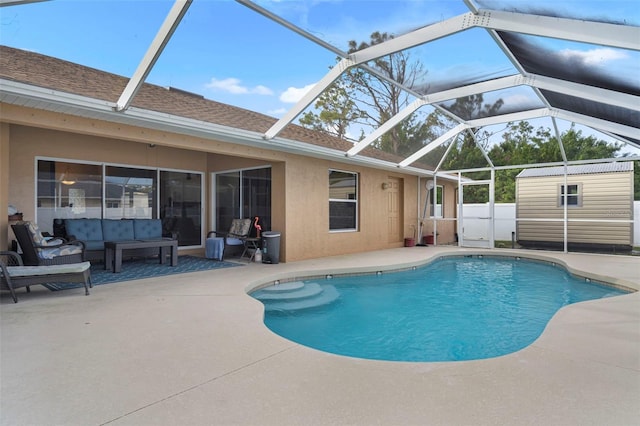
(519, 100)
(594, 56)
(294, 94)
(234, 86)
(262, 90)
(276, 112)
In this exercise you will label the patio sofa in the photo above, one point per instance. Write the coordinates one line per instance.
(94, 232)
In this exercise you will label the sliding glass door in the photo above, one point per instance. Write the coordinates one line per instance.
(83, 190)
(243, 194)
(181, 201)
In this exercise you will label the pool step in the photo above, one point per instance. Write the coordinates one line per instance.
(283, 288)
(303, 292)
(295, 296)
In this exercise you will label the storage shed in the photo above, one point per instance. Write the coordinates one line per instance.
(596, 199)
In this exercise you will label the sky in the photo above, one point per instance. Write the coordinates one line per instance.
(231, 54)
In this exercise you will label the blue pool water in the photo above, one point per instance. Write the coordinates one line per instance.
(453, 309)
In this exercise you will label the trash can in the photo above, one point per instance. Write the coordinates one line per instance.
(270, 247)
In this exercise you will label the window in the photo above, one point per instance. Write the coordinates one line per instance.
(574, 197)
(343, 201)
(67, 190)
(130, 193)
(438, 201)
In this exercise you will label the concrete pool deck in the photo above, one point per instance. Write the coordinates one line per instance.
(191, 349)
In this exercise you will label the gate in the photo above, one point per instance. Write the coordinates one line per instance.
(475, 227)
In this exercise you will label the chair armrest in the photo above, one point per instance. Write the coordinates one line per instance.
(17, 259)
(5, 273)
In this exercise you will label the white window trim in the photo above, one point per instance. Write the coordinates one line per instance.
(342, 200)
(577, 196)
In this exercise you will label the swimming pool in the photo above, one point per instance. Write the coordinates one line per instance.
(457, 308)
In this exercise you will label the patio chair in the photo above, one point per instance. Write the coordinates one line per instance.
(233, 239)
(14, 275)
(37, 250)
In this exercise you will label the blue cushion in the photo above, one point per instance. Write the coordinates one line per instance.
(94, 245)
(147, 229)
(84, 229)
(117, 229)
(234, 242)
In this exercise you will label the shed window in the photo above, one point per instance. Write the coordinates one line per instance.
(574, 195)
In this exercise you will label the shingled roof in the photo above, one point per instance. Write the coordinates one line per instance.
(63, 76)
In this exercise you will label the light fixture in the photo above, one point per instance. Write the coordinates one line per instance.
(66, 178)
(386, 185)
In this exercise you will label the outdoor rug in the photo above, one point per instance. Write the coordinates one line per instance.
(145, 268)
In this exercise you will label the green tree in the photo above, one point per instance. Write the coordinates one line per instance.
(522, 144)
(337, 111)
(368, 100)
(467, 152)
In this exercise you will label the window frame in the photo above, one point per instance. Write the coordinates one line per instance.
(355, 201)
(577, 196)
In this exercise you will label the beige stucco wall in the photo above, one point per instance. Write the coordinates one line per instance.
(299, 184)
(308, 210)
(4, 185)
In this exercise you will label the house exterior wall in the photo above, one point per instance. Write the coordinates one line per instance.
(4, 185)
(604, 196)
(300, 193)
(308, 211)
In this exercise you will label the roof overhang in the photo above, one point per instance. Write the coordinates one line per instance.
(29, 96)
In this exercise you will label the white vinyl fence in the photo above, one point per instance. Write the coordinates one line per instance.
(505, 219)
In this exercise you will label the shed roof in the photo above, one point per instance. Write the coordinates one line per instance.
(583, 169)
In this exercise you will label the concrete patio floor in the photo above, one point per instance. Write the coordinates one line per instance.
(191, 349)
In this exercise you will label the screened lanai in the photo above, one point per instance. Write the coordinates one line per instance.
(448, 75)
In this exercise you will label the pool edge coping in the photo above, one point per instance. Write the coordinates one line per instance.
(323, 273)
